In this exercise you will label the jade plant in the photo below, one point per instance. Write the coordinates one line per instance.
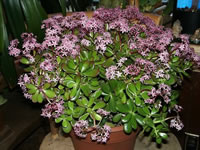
(115, 69)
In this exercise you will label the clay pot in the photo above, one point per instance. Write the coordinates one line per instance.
(118, 141)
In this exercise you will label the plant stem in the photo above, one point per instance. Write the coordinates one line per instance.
(165, 119)
(53, 128)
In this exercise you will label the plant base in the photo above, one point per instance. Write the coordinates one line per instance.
(118, 141)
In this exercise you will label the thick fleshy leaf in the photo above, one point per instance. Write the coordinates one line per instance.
(84, 117)
(85, 89)
(97, 117)
(50, 93)
(68, 128)
(117, 118)
(91, 72)
(126, 118)
(99, 105)
(128, 127)
(123, 108)
(40, 98)
(24, 60)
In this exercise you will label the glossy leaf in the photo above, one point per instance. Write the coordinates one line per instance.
(91, 72)
(40, 98)
(133, 122)
(31, 86)
(117, 118)
(99, 105)
(68, 128)
(163, 135)
(50, 93)
(123, 108)
(71, 105)
(126, 118)
(128, 127)
(137, 101)
(97, 117)
(85, 89)
(96, 94)
(84, 117)
(58, 120)
(24, 60)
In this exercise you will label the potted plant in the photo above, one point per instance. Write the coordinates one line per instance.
(114, 70)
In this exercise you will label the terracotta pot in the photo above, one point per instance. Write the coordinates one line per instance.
(118, 141)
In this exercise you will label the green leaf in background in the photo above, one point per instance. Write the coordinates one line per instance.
(34, 15)
(15, 17)
(7, 66)
(63, 6)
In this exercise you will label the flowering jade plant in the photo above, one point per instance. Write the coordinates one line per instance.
(115, 69)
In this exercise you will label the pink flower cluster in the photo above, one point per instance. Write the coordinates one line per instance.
(54, 109)
(176, 123)
(103, 112)
(163, 90)
(80, 128)
(102, 134)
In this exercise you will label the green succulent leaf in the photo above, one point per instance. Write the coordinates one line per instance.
(25, 61)
(71, 105)
(84, 117)
(126, 118)
(58, 120)
(97, 94)
(133, 122)
(91, 102)
(68, 128)
(31, 86)
(128, 127)
(91, 72)
(97, 117)
(117, 118)
(50, 93)
(85, 89)
(99, 105)
(123, 108)
(46, 86)
(40, 98)
(163, 135)
(139, 119)
(145, 95)
(132, 89)
(138, 101)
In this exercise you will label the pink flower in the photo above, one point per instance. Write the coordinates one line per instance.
(176, 123)
(54, 109)
(13, 50)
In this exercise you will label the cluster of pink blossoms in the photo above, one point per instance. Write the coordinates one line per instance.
(80, 128)
(163, 90)
(54, 109)
(101, 134)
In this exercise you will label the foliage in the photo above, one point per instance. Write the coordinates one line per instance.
(147, 5)
(20, 16)
(116, 68)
